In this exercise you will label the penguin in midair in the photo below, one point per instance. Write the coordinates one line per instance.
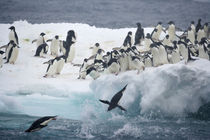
(1, 58)
(115, 100)
(13, 54)
(40, 40)
(52, 68)
(60, 63)
(128, 40)
(41, 50)
(139, 35)
(13, 35)
(40, 123)
(54, 46)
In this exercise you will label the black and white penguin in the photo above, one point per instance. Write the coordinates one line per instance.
(113, 66)
(200, 34)
(183, 50)
(206, 29)
(128, 40)
(92, 71)
(83, 69)
(163, 59)
(1, 58)
(155, 55)
(139, 35)
(147, 42)
(147, 60)
(191, 35)
(13, 54)
(137, 64)
(54, 46)
(60, 63)
(123, 61)
(70, 46)
(40, 123)
(99, 55)
(202, 49)
(171, 31)
(115, 100)
(41, 50)
(192, 26)
(157, 31)
(13, 35)
(167, 41)
(198, 26)
(174, 57)
(40, 40)
(8, 47)
(51, 69)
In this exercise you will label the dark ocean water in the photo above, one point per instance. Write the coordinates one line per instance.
(106, 13)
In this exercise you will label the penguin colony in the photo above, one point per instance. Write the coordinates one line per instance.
(194, 42)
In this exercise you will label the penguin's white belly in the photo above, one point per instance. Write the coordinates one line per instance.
(71, 54)
(175, 57)
(123, 64)
(52, 69)
(202, 53)
(148, 62)
(163, 55)
(46, 122)
(60, 66)
(147, 43)
(155, 54)
(7, 51)
(200, 35)
(171, 33)
(14, 55)
(1, 61)
(54, 47)
(39, 41)
(12, 37)
(95, 50)
(184, 52)
(191, 36)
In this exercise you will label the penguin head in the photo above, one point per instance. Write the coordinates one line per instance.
(192, 22)
(97, 45)
(11, 42)
(2, 52)
(170, 22)
(167, 36)
(71, 33)
(56, 37)
(189, 28)
(159, 23)
(99, 51)
(85, 60)
(199, 20)
(134, 47)
(148, 36)
(50, 62)
(155, 30)
(138, 24)
(12, 28)
(206, 24)
(42, 34)
(129, 33)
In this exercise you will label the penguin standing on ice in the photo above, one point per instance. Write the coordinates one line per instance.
(1, 58)
(157, 31)
(40, 123)
(13, 54)
(70, 46)
(155, 55)
(115, 100)
(206, 30)
(167, 41)
(147, 42)
(191, 35)
(202, 49)
(183, 50)
(137, 64)
(113, 66)
(8, 47)
(192, 26)
(95, 48)
(171, 31)
(83, 69)
(52, 68)
(147, 60)
(200, 34)
(40, 40)
(13, 35)
(41, 50)
(54, 46)
(60, 63)
(128, 40)
(174, 57)
(198, 26)
(139, 35)
(92, 71)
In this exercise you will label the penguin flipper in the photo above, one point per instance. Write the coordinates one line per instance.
(105, 101)
(5, 46)
(34, 41)
(121, 108)
(49, 40)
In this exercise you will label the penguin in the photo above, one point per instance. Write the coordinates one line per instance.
(99, 55)
(147, 60)
(54, 46)
(70, 46)
(192, 26)
(113, 66)
(8, 47)
(183, 50)
(174, 57)
(128, 40)
(40, 40)
(139, 35)
(40, 123)
(147, 42)
(167, 41)
(41, 50)
(171, 31)
(155, 55)
(202, 49)
(83, 69)
(157, 31)
(115, 100)
(13, 35)
(52, 68)
(123, 61)
(95, 48)
(198, 26)
(191, 35)
(162, 54)
(1, 58)
(200, 34)
(60, 63)
(137, 64)
(206, 30)
(13, 54)
(92, 71)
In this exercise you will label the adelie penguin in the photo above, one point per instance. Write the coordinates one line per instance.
(115, 100)
(139, 35)
(128, 40)
(13, 54)
(40, 40)
(41, 50)
(70, 46)
(51, 69)
(54, 46)
(13, 35)
(40, 123)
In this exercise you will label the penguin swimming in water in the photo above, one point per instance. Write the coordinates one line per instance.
(40, 40)
(40, 123)
(54, 46)
(13, 54)
(115, 100)
(41, 50)
(13, 35)
(1, 58)
(139, 35)
(52, 68)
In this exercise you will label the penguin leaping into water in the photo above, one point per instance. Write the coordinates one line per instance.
(40, 123)
(114, 101)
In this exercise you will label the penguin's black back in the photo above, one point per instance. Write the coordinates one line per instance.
(39, 49)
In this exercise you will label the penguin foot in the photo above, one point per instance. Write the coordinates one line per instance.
(45, 76)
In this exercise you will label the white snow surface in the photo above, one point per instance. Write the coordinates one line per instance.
(172, 88)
